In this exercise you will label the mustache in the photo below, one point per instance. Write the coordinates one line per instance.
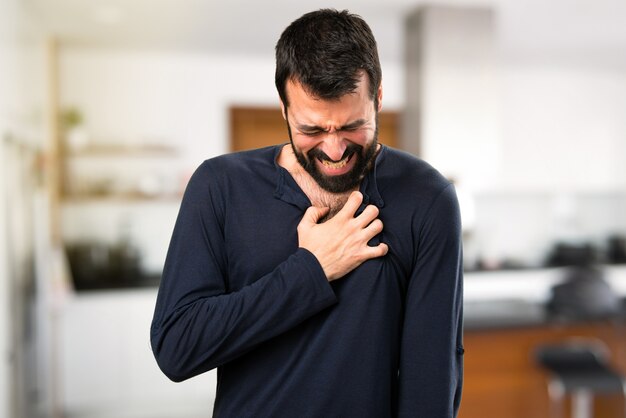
(350, 150)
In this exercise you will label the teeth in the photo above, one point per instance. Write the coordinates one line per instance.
(337, 164)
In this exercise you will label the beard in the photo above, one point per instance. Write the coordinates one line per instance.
(365, 156)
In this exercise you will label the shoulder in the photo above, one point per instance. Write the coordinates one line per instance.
(219, 174)
(400, 172)
(413, 189)
(242, 161)
(243, 165)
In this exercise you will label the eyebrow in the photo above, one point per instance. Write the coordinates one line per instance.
(312, 128)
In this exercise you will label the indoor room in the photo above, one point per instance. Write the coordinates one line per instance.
(108, 108)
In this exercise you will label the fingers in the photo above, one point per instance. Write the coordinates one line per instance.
(378, 251)
(313, 214)
(351, 206)
(341, 243)
(374, 228)
(368, 215)
(369, 232)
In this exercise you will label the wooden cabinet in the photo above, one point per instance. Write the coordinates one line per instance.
(502, 379)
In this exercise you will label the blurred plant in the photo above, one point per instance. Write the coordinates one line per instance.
(71, 118)
(71, 124)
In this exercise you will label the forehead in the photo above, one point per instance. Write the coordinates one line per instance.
(306, 107)
(293, 85)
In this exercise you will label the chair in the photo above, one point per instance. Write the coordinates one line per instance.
(579, 368)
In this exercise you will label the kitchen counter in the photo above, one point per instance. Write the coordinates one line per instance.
(518, 298)
(504, 313)
(506, 320)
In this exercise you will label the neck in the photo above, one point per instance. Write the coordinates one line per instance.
(318, 196)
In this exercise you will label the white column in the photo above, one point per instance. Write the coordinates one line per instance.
(451, 117)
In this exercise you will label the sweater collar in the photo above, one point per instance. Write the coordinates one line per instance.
(288, 190)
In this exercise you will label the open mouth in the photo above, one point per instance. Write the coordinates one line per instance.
(336, 164)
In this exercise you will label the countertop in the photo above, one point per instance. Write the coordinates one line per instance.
(518, 298)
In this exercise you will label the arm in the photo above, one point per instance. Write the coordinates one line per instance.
(431, 360)
(198, 323)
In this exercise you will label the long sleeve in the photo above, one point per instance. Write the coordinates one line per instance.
(431, 359)
(199, 321)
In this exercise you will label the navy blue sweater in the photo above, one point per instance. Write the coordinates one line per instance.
(238, 294)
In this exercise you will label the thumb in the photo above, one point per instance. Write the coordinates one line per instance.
(313, 214)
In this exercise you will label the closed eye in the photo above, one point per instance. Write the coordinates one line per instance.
(311, 133)
(354, 126)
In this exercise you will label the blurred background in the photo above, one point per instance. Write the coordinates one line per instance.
(107, 107)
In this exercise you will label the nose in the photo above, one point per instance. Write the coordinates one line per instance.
(334, 146)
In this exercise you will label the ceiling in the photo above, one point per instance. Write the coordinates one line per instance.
(583, 30)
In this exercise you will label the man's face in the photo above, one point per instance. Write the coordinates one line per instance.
(335, 141)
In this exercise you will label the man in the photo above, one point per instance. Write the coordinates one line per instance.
(323, 277)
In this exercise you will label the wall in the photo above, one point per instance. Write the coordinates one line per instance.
(564, 95)
(21, 137)
(534, 141)
(564, 127)
(5, 367)
(562, 168)
(459, 97)
(562, 159)
(498, 117)
(8, 78)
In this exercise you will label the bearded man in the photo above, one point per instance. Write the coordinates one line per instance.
(322, 277)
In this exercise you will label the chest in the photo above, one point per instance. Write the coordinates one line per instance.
(258, 240)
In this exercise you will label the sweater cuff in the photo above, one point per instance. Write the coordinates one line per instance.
(312, 269)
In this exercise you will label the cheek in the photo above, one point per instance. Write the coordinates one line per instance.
(362, 138)
(304, 144)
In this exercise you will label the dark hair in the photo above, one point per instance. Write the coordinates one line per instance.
(326, 51)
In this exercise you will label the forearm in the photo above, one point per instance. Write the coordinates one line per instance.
(211, 330)
(431, 371)
(431, 366)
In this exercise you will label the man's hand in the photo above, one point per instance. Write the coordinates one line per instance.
(340, 244)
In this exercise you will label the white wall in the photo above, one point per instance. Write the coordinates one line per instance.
(21, 134)
(4, 294)
(537, 142)
(460, 98)
(564, 127)
(498, 117)
(562, 162)
(563, 96)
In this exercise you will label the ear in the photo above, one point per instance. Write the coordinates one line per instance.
(283, 109)
(380, 96)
